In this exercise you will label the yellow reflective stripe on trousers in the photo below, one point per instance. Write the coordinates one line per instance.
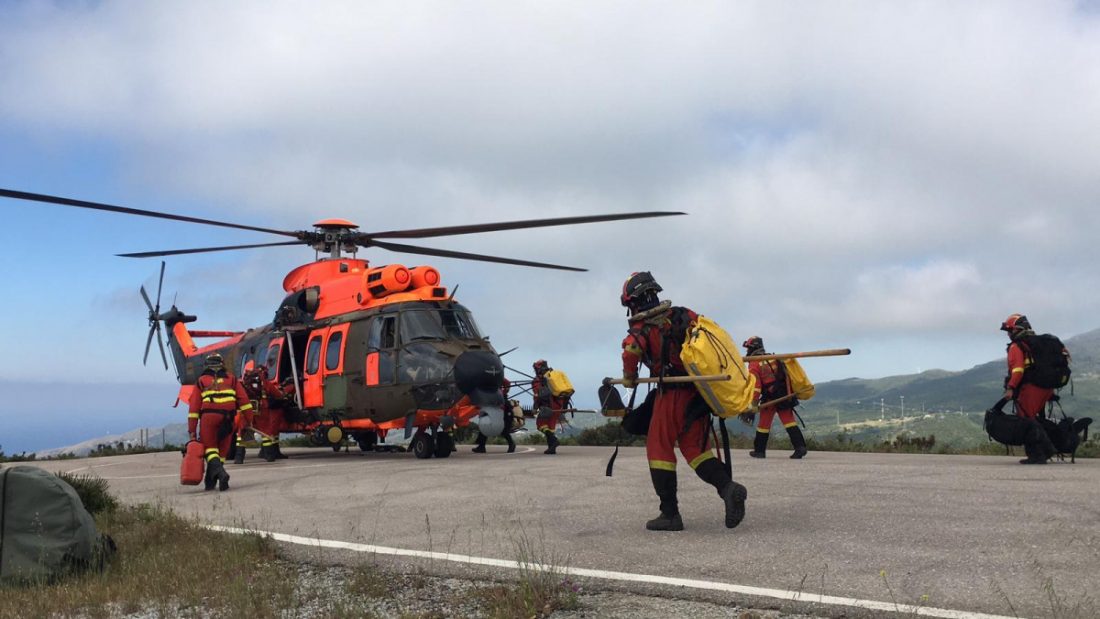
(192, 415)
(246, 407)
(701, 458)
(1015, 370)
(662, 465)
(790, 425)
(764, 430)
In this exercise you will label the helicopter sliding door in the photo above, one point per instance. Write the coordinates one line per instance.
(312, 386)
(335, 383)
(381, 361)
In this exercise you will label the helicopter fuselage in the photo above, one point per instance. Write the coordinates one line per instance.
(368, 349)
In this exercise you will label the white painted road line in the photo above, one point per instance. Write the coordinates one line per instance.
(707, 585)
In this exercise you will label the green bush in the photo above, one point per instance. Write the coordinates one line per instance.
(94, 492)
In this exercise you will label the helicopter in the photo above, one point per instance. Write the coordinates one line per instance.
(368, 349)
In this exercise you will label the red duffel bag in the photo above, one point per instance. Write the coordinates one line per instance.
(192, 469)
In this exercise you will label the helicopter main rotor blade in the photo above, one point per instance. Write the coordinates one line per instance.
(446, 253)
(38, 197)
(200, 250)
(422, 233)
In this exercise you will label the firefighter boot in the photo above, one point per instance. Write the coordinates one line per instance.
(760, 445)
(511, 443)
(218, 474)
(267, 452)
(481, 439)
(664, 482)
(733, 494)
(279, 455)
(551, 443)
(239, 457)
(208, 480)
(798, 442)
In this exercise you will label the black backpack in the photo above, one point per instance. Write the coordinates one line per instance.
(1049, 367)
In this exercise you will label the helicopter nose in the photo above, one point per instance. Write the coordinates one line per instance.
(479, 374)
(478, 370)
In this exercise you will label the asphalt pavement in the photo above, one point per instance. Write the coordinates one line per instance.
(975, 534)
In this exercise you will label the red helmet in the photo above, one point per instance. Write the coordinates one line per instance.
(640, 290)
(1015, 322)
(540, 366)
(754, 343)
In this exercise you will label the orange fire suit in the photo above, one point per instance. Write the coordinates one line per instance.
(270, 416)
(217, 396)
(772, 384)
(540, 389)
(1030, 399)
(645, 343)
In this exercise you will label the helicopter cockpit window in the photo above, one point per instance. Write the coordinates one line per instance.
(433, 324)
(313, 356)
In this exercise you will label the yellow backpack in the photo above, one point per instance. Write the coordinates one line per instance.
(799, 383)
(709, 350)
(560, 387)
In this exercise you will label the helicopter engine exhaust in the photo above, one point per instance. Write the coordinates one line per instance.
(479, 374)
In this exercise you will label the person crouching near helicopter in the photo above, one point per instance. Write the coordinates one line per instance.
(651, 341)
(508, 417)
(217, 396)
(772, 384)
(548, 407)
(268, 401)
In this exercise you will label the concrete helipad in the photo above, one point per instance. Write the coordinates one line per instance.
(947, 533)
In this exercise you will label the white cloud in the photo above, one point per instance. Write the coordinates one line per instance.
(865, 169)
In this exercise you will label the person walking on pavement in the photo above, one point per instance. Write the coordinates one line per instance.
(1028, 398)
(680, 416)
(772, 383)
(548, 406)
(507, 432)
(217, 397)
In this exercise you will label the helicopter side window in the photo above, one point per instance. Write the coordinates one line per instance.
(389, 332)
(333, 353)
(246, 363)
(273, 355)
(313, 356)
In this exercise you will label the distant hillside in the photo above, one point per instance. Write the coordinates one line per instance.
(947, 404)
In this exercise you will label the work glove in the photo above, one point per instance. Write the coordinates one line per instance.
(747, 418)
(630, 382)
(1009, 395)
(755, 407)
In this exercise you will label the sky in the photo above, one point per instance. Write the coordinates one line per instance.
(895, 178)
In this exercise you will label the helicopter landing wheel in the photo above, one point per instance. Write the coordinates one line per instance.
(423, 445)
(366, 440)
(444, 445)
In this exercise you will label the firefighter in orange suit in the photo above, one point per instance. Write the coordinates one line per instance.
(548, 406)
(217, 397)
(1029, 399)
(771, 384)
(680, 416)
(268, 401)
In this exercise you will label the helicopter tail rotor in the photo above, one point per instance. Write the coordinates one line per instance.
(154, 320)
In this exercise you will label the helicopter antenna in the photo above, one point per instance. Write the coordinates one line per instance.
(508, 351)
(451, 298)
(154, 320)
